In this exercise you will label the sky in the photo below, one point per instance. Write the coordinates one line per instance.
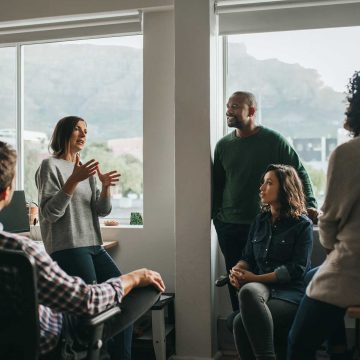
(334, 53)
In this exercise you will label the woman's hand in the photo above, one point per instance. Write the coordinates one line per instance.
(83, 172)
(80, 173)
(243, 276)
(234, 281)
(108, 179)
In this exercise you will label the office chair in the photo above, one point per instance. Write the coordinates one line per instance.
(19, 323)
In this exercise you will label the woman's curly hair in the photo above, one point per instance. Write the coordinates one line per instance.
(353, 111)
(291, 193)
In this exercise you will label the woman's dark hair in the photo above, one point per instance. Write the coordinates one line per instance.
(59, 142)
(353, 111)
(291, 193)
(7, 165)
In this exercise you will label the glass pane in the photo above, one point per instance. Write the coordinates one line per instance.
(99, 80)
(8, 95)
(299, 85)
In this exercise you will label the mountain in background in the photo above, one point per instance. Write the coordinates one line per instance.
(293, 99)
(103, 84)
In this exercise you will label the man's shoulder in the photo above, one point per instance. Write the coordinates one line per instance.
(11, 241)
(272, 134)
(226, 138)
(224, 142)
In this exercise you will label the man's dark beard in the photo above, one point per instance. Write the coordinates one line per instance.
(234, 123)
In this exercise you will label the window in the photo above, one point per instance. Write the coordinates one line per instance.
(299, 79)
(8, 95)
(99, 80)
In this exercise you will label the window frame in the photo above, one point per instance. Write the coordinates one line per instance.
(17, 34)
(252, 17)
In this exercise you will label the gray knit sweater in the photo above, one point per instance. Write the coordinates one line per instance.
(68, 221)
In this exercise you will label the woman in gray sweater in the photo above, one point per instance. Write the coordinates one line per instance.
(335, 286)
(69, 207)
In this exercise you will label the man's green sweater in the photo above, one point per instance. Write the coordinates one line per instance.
(239, 164)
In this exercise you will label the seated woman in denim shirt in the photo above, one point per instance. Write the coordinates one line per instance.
(270, 275)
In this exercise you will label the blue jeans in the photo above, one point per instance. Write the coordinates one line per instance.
(94, 265)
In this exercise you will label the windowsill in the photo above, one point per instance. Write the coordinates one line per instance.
(121, 226)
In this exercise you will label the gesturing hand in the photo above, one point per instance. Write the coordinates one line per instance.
(108, 179)
(82, 172)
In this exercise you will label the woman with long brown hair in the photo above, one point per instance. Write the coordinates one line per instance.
(70, 204)
(270, 275)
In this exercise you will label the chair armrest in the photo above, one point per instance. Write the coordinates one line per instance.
(101, 317)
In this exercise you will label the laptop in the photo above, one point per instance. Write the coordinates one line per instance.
(14, 217)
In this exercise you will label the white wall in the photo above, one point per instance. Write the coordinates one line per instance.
(193, 109)
(154, 245)
(176, 237)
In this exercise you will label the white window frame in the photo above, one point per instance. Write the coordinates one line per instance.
(254, 16)
(15, 34)
(238, 17)
(260, 16)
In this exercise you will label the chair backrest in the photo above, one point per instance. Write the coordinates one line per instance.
(318, 254)
(19, 323)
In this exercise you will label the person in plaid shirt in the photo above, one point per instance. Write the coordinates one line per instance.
(59, 293)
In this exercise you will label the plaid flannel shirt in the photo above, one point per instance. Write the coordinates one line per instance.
(59, 292)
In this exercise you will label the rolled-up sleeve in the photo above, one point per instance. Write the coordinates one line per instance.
(296, 268)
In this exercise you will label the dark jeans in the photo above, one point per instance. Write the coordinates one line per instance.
(232, 239)
(94, 265)
(261, 320)
(315, 322)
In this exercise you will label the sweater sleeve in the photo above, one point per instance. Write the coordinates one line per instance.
(103, 204)
(53, 201)
(218, 183)
(289, 156)
(338, 200)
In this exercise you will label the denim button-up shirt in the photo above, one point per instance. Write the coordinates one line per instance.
(284, 248)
